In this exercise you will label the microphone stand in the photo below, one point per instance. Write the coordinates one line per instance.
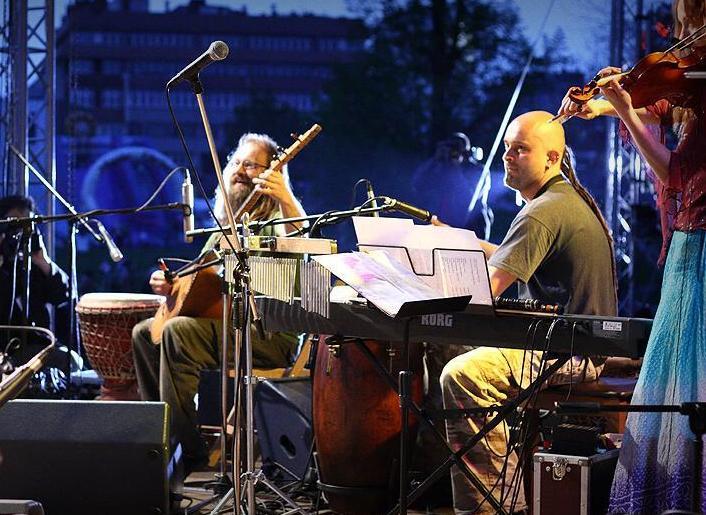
(73, 273)
(74, 218)
(240, 275)
(328, 218)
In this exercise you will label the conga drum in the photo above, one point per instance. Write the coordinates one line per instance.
(105, 322)
(357, 423)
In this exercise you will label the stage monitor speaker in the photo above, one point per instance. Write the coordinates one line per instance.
(86, 457)
(283, 421)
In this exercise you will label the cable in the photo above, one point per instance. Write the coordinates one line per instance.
(355, 190)
(571, 366)
(370, 201)
(515, 485)
(319, 220)
(14, 280)
(159, 188)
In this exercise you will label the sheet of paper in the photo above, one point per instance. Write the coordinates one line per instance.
(372, 230)
(464, 273)
(433, 237)
(447, 259)
(379, 278)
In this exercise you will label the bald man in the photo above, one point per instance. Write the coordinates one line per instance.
(557, 250)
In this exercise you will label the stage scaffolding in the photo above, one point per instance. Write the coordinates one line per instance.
(629, 191)
(27, 103)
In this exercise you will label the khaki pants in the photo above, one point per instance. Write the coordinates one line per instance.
(482, 378)
(170, 371)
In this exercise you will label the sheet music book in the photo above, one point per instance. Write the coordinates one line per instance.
(448, 259)
(389, 285)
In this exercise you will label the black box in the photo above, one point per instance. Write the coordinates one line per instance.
(86, 457)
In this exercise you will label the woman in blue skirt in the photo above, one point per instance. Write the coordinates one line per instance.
(656, 465)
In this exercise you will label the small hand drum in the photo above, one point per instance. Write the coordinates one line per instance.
(106, 321)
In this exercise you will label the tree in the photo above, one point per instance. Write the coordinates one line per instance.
(426, 72)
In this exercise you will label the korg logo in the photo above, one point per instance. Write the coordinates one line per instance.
(438, 320)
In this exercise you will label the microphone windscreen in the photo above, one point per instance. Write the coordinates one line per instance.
(218, 50)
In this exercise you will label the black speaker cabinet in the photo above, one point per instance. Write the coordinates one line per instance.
(86, 457)
(283, 421)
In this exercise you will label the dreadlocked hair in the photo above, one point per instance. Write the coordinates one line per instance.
(567, 168)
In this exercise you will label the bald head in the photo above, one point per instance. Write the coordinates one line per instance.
(538, 125)
(534, 147)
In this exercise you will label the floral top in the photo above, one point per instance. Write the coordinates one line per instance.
(682, 200)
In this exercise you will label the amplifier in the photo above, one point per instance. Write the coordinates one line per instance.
(86, 457)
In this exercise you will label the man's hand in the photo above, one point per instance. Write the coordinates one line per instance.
(159, 284)
(274, 186)
(435, 221)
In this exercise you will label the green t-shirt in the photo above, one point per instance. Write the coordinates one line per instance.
(558, 250)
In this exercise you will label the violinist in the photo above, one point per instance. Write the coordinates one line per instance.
(656, 466)
(169, 370)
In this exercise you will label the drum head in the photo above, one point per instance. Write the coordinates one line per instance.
(119, 300)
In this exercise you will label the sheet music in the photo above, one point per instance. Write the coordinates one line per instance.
(447, 259)
(380, 278)
(464, 273)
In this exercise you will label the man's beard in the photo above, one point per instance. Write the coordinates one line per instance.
(237, 195)
(515, 181)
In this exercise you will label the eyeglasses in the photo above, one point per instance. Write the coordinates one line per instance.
(247, 165)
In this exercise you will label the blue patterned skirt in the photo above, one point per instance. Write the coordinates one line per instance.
(654, 472)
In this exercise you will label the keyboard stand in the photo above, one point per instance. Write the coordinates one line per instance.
(455, 457)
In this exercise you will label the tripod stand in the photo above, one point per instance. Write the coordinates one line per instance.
(237, 279)
(238, 283)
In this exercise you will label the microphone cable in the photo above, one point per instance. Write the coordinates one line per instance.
(160, 187)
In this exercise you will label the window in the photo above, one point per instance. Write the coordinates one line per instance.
(111, 67)
(112, 99)
(82, 66)
(82, 97)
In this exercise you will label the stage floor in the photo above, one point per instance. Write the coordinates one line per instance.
(195, 493)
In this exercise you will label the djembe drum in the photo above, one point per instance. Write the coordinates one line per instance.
(106, 321)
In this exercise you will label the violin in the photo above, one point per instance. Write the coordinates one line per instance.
(657, 76)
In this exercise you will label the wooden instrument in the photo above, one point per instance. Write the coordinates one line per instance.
(194, 295)
(199, 294)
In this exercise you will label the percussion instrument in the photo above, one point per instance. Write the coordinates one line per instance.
(105, 322)
(357, 421)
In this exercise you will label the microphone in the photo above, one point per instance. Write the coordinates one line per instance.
(371, 196)
(216, 52)
(113, 249)
(187, 198)
(408, 209)
(13, 384)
